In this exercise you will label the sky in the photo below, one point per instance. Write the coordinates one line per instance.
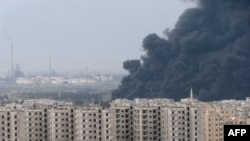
(81, 35)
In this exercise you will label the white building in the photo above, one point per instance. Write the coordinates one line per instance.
(125, 120)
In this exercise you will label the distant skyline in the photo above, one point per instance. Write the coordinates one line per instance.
(79, 35)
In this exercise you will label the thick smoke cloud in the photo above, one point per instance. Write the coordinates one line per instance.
(209, 50)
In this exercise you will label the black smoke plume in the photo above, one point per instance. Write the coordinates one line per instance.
(209, 50)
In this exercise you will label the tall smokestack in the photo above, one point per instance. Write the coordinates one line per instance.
(11, 54)
(12, 59)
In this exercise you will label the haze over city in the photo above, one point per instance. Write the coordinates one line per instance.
(98, 35)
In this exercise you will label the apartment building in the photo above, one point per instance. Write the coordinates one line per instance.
(108, 126)
(146, 119)
(60, 124)
(157, 119)
(9, 127)
(125, 120)
(88, 123)
(122, 120)
(215, 116)
(34, 124)
(213, 123)
(180, 123)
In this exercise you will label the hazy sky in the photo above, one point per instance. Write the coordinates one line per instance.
(79, 34)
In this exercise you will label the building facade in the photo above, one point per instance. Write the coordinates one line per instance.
(125, 120)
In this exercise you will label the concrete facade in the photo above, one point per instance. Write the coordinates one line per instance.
(125, 120)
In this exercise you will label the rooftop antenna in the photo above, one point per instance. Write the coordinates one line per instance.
(12, 58)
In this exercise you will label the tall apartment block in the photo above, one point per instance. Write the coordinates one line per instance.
(87, 123)
(125, 120)
(9, 124)
(156, 120)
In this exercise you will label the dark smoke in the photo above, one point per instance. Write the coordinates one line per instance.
(209, 50)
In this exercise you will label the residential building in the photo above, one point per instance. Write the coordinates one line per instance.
(125, 120)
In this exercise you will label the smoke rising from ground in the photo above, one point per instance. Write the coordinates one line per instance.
(209, 50)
